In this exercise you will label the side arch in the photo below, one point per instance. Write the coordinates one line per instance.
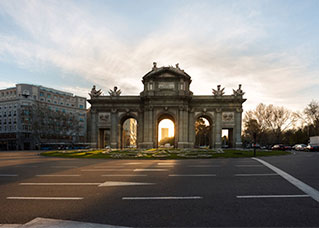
(210, 137)
(122, 134)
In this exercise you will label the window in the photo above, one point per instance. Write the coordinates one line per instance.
(41, 94)
(49, 95)
(81, 106)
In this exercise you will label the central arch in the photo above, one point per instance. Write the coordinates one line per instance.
(128, 132)
(161, 117)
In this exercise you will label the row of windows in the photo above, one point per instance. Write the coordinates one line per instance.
(55, 97)
(8, 128)
(8, 107)
(9, 121)
(8, 93)
(5, 114)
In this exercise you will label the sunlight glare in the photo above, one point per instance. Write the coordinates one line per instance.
(166, 123)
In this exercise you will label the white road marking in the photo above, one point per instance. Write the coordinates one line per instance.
(166, 163)
(123, 175)
(59, 175)
(313, 193)
(44, 198)
(118, 183)
(256, 174)
(164, 198)
(133, 163)
(9, 175)
(105, 170)
(58, 184)
(192, 175)
(272, 196)
(149, 170)
(249, 165)
(204, 166)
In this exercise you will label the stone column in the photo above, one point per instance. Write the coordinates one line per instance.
(218, 128)
(151, 128)
(191, 129)
(147, 129)
(94, 128)
(182, 128)
(114, 133)
(140, 127)
(238, 116)
(119, 136)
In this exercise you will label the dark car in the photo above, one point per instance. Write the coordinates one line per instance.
(312, 148)
(287, 147)
(278, 147)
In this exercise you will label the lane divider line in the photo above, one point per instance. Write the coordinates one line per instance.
(149, 170)
(57, 184)
(313, 193)
(58, 175)
(272, 196)
(255, 174)
(192, 175)
(105, 170)
(9, 175)
(164, 198)
(44, 198)
(123, 175)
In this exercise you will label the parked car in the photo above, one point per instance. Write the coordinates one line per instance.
(312, 148)
(287, 147)
(299, 147)
(257, 146)
(278, 147)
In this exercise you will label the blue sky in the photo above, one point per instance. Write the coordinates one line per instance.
(270, 47)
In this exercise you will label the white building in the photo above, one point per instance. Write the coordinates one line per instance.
(17, 123)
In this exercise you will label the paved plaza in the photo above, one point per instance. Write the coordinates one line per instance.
(277, 191)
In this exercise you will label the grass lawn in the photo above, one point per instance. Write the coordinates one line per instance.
(161, 154)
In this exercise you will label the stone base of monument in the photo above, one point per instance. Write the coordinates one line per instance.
(146, 145)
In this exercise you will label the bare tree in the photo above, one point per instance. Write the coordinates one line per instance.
(312, 117)
(269, 122)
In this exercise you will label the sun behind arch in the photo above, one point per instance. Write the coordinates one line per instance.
(166, 123)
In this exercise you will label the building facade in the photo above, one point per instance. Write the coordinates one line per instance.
(18, 107)
(166, 95)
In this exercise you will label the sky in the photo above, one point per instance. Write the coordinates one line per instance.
(271, 47)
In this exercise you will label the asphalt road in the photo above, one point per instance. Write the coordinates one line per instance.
(171, 193)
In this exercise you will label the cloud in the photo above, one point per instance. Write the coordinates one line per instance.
(215, 44)
(4, 85)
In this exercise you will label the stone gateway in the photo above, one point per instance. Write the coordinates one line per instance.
(166, 95)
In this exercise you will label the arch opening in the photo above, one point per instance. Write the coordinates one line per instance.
(129, 133)
(203, 133)
(166, 132)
